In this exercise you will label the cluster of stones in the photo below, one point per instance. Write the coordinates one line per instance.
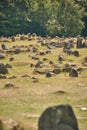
(39, 67)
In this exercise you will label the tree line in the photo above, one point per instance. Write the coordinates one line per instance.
(44, 17)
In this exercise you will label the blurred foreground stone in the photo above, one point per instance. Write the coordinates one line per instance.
(59, 117)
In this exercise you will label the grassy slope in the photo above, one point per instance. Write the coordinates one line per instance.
(27, 100)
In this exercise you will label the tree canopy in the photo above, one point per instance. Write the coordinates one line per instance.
(44, 17)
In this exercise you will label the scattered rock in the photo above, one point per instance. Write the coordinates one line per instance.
(45, 59)
(23, 37)
(3, 69)
(32, 65)
(2, 56)
(8, 66)
(35, 49)
(48, 52)
(12, 125)
(11, 59)
(66, 68)
(35, 57)
(35, 81)
(42, 53)
(48, 74)
(3, 46)
(16, 51)
(1, 125)
(26, 76)
(9, 85)
(59, 92)
(2, 76)
(60, 58)
(73, 73)
(83, 108)
(12, 77)
(84, 61)
(79, 42)
(76, 53)
(38, 64)
(57, 70)
(13, 39)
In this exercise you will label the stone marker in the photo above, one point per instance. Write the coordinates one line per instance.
(59, 117)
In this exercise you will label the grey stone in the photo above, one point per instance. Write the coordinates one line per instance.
(79, 42)
(57, 70)
(75, 53)
(73, 73)
(16, 51)
(3, 69)
(59, 117)
(2, 56)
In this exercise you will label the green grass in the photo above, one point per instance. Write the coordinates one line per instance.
(26, 101)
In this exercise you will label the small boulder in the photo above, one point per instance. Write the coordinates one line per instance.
(2, 56)
(66, 68)
(16, 51)
(2, 76)
(35, 57)
(11, 59)
(13, 39)
(3, 46)
(56, 71)
(49, 74)
(38, 64)
(9, 85)
(60, 58)
(76, 53)
(8, 66)
(73, 73)
(3, 69)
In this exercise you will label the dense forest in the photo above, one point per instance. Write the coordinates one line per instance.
(44, 17)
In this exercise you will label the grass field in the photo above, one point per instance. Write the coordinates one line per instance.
(25, 102)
